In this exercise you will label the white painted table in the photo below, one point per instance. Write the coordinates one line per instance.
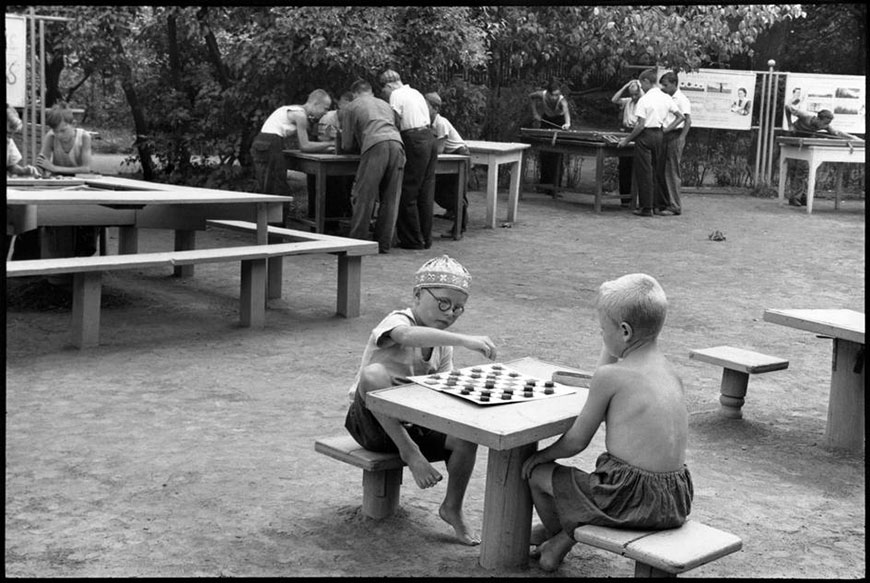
(815, 151)
(492, 155)
(845, 427)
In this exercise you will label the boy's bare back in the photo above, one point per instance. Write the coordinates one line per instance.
(646, 420)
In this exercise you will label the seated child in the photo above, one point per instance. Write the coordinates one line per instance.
(410, 342)
(13, 155)
(641, 480)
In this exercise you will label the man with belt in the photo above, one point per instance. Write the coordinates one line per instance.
(674, 142)
(416, 207)
(649, 159)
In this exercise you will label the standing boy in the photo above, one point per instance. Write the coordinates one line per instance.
(551, 107)
(674, 142)
(368, 126)
(641, 480)
(628, 119)
(414, 341)
(449, 142)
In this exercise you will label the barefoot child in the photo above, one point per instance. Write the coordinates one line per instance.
(414, 341)
(641, 481)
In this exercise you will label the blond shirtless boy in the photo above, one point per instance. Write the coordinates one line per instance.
(410, 342)
(641, 480)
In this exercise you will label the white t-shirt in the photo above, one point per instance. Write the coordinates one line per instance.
(280, 122)
(653, 107)
(411, 107)
(683, 104)
(443, 128)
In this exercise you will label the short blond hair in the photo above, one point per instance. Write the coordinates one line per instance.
(636, 299)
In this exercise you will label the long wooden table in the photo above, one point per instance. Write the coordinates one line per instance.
(593, 144)
(815, 151)
(492, 155)
(323, 165)
(845, 426)
(510, 431)
(131, 205)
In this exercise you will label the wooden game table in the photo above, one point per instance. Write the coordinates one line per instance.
(815, 151)
(492, 155)
(594, 144)
(845, 426)
(511, 432)
(322, 165)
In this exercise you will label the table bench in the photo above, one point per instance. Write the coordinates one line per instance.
(87, 277)
(737, 365)
(382, 473)
(815, 151)
(662, 553)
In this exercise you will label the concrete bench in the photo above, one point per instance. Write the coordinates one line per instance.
(382, 473)
(87, 277)
(662, 553)
(737, 365)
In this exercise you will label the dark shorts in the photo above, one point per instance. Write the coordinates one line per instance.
(367, 432)
(619, 495)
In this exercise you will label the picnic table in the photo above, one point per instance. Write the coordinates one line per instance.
(510, 431)
(492, 155)
(587, 143)
(816, 151)
(322, 165)
(845, 425)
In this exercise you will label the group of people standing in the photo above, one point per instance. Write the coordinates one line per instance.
(659, 118)
(398, 136)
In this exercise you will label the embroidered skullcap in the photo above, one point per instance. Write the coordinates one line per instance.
(389, 76)
(433, 98)
(443, 272)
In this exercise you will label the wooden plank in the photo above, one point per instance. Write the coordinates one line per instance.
(684, 548)
(846, 324)
(344, 448)
(353, 246)
(739, 359)
(610, 539)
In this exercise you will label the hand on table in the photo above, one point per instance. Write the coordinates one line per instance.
(42, 162)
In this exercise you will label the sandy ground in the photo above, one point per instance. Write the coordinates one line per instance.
(183, 444)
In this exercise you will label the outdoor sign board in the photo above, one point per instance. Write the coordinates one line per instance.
(720, 99)
(843, 95)
(16, 59)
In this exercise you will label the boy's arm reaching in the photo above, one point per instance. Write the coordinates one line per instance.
(425, 337)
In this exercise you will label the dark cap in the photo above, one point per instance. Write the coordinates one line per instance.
(389, 76)
(433, 98)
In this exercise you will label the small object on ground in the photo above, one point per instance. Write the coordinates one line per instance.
(507, 225)
(716, 236)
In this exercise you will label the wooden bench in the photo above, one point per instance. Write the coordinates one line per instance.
(87, 277)
(349, 260)
(737, 365)
(382, 473)
(662, 553)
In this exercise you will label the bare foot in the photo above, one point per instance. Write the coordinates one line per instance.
(553, 551)
(539, 534)
(457, 521)
(424, 473)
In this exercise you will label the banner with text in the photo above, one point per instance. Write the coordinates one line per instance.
(16, 59)
(720, 98)
(844, 96)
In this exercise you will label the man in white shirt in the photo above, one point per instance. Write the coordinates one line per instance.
(674, 142)
(648, 132)
(449, 142)
(416, 208)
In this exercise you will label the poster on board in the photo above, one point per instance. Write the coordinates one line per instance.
(720, 99)
(843, 95)
(16, 59)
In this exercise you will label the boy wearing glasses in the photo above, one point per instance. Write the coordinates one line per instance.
(415, 341)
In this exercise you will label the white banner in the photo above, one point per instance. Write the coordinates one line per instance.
(16, 59)
(720, 98)
(844, 96)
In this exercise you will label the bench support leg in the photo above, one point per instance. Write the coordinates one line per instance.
(733, 391)
(646, 571)
(184, 241)
(252, 297)
(349, 284)
(381, 492)
(845, 426)
(128, 240)
(87, 289)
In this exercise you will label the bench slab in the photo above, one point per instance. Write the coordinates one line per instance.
(739, 359)
(345, 448)
(672, 551)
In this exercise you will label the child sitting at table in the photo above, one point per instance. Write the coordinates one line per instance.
(641, 480)
(411, 342)
(13, 154)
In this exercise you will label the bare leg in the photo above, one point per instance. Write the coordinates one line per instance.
(459, 467)
(425, 475)
(554, 550)
(551, 551)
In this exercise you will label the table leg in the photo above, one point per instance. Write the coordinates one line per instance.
(599, 178)
(87, 292)
(184, 241)
(845, 427)
(320, 203)
(516, 170)
(783, 176)
(128, 240)
(491, 193)
(461, 186)
(811, 184)
(252, 295)
(507, 510)
(349, 285)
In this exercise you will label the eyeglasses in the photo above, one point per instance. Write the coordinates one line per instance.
(446, 305)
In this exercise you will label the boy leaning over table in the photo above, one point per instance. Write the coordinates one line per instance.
(410, 342)
(641, 481)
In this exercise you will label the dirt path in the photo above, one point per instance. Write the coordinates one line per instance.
(183, 445)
